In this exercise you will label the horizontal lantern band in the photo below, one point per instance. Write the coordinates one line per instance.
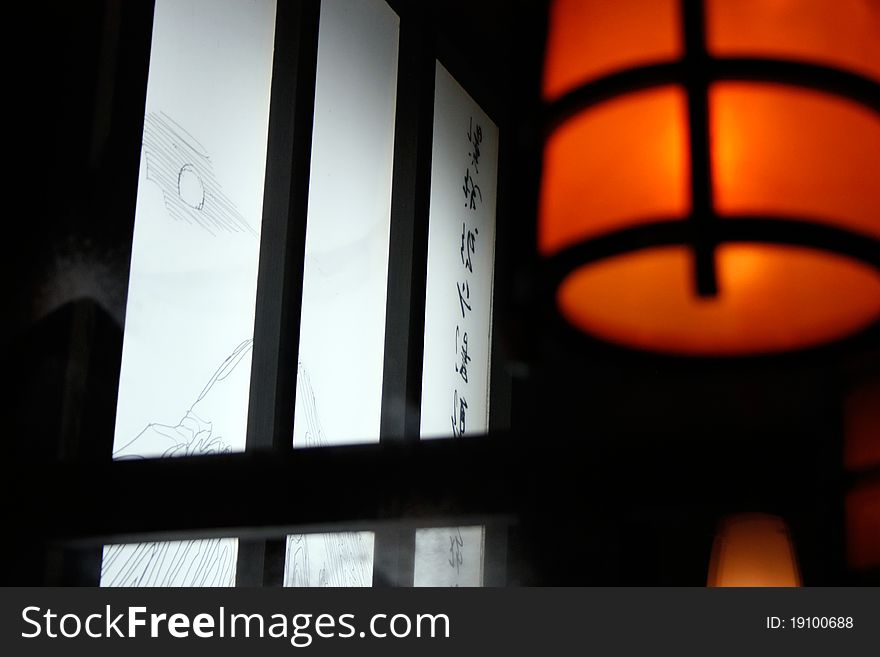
(619, 164)
(842, 34)
(835, 81)
(587, 39)
(812, 244)
(788, 151)
(749, 228)
(773, 299)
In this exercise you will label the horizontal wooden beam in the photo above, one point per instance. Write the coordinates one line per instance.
(503, 478)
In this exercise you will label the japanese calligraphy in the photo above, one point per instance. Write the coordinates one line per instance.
(475, 137)
(459, 414)
(456, 376)
(461, 367)
(464, 294)
(472, 195)
(468, 245)
(471, 190)
(456, 557)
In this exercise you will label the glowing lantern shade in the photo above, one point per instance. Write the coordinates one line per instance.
(711, 174)
(753, 549)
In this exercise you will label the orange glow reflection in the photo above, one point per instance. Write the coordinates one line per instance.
(863, 526)
(591, 38)
(622, 163)
(753, 550)
(771, 298)
(782, 150)
(862, 428)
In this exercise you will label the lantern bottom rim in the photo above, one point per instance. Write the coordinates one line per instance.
(772, 298)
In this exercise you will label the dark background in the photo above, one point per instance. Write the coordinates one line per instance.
(641, 455)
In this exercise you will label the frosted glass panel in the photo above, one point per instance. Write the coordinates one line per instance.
(343, 559)
(186, 360)
(171, 563)
(458, 308)
(342, 333)
(461, 263)
(342, 330)
(449, 556)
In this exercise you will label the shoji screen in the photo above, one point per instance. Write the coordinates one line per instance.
(342, 331)
(458, 308)
(185, 375)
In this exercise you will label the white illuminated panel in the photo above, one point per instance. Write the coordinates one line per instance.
(342, 330)
(461, 263)
(342, 559)
(185, 376)
(449, 556)
(171, 563)
(458, 308)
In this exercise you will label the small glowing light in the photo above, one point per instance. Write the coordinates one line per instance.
(753, 549)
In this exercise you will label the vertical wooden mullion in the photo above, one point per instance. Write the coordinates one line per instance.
(130, 58)
(394, 553)
(500, 382)
(282, 256)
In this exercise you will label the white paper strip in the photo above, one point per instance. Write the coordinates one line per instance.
(449, 556)
(458, 308)
(342, 331)
(461, 264)
(185, 377)
(343, 559)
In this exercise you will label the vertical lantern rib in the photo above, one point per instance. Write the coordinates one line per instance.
(696, 66)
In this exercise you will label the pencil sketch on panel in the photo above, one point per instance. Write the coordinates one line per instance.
(203, 562)
(206, 562)
(342, 559)
(182, 169)
(194, 434)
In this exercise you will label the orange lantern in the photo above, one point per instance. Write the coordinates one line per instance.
(711, 172)
(753, 549)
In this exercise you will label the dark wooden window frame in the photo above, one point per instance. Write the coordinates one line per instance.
(269, 475)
